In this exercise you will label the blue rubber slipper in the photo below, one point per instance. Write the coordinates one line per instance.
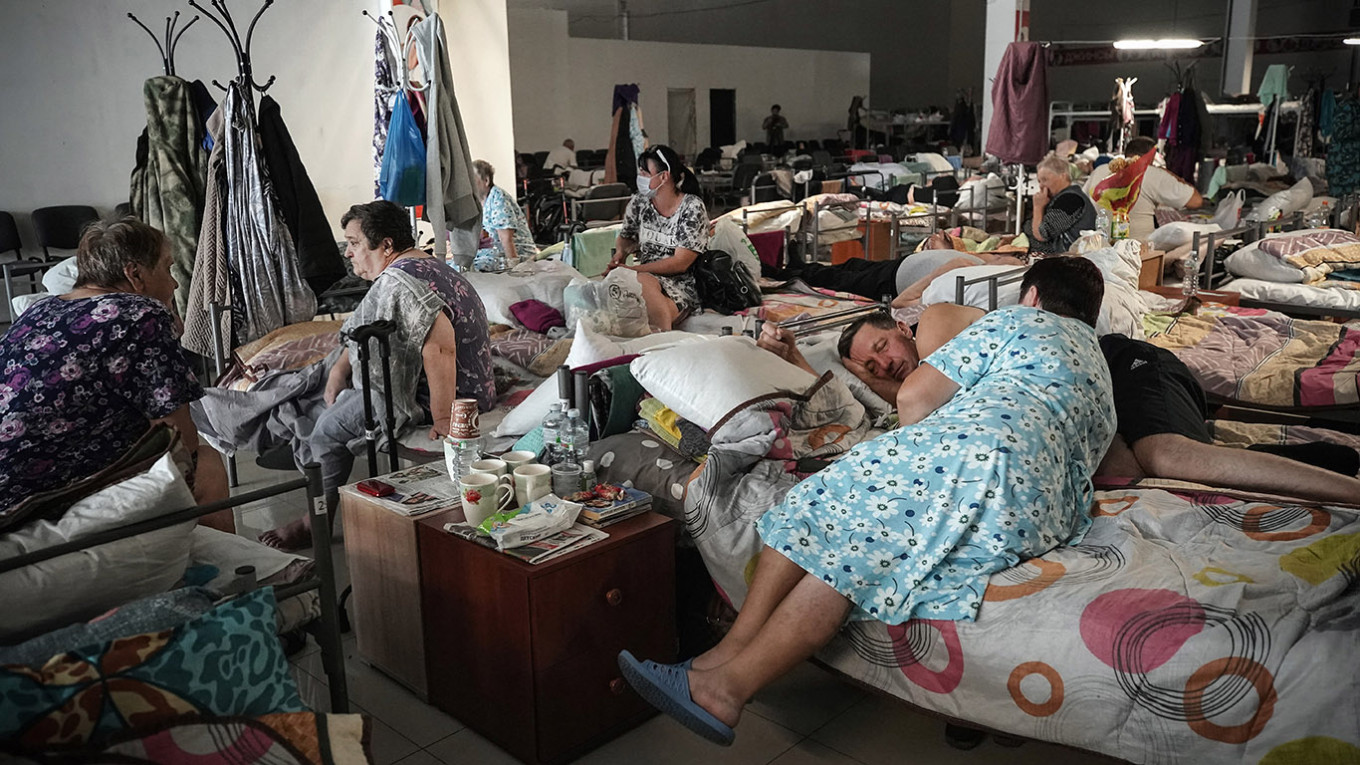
(666, 687)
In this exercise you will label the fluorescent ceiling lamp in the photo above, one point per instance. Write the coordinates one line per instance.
(1352, 41)
(1156, 44)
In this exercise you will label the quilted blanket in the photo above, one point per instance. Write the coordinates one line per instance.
(1188, 626)
(1263, 357)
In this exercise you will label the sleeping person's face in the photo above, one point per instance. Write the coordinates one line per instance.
(887, 353)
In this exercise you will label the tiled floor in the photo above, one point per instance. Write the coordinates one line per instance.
(806, 718)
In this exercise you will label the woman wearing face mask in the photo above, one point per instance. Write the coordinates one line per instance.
(666, 224)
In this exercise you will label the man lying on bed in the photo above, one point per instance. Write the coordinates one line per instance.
(84, 375)
(440, 349)
(1159, 404)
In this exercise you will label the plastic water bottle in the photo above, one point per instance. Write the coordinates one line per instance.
(552, 429)
(581, 440)
(570, 434)
(460, 453)
(1103, 221)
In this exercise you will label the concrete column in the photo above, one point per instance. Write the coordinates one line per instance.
(1005, 19)
(1238, 47)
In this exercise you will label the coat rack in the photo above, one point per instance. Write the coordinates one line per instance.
(245, 76)
(167, 49)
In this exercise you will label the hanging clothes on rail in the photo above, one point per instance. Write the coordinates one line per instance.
(963, 124)
(1307, 126)
(255, 250)
(211, 282)
(451, 202)
(298, 204)
(384, 85)
(1184, 147)
(1019, 128)
(626, 137)
(1343, 159)
(168, 183)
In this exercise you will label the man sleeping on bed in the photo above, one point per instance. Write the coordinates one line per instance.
(1159, 406)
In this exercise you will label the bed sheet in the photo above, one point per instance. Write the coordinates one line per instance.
(1262, 357)
(1332, 293)
(1190, 625)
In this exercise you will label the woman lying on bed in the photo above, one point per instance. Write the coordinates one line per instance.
(1003, 426)
(440, 349)
(84, 375)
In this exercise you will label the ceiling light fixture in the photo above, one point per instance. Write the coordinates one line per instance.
(1352, 41)
(1157, 44)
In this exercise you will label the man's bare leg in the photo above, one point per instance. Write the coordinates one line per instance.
(805, 620)
(1173, 456)
(775, 577)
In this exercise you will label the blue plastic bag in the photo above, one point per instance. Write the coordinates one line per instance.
(402, 179)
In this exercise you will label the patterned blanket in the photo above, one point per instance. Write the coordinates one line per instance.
(1189, 625)
(1263, 357)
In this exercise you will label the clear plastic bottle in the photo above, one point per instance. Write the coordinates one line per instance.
(552, 429)
(582, 439)
(569, 436)
(588, 479)
(460, 453)
(1103, 221)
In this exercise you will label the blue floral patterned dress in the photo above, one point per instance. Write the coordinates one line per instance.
(499, 212)
(80, 382)
(912, 523)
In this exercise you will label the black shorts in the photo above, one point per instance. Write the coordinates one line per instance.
(1154, 393)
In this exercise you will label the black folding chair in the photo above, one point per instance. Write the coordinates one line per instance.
(62, 226)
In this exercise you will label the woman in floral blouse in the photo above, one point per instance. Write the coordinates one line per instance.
(666, 224)
(84, 375)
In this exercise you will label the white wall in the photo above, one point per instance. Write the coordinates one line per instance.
(71, 85)
(563, 85)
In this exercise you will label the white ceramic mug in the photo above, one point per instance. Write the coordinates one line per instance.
(532, 482)
(483, 495)
(516, 459)
(491, 466)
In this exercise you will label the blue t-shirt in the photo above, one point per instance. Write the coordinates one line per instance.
(80, 381)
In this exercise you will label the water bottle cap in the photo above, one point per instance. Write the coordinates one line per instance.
(573, 412)
(588, 466)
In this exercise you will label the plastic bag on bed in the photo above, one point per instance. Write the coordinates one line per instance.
(1283, 203)
(611, 306)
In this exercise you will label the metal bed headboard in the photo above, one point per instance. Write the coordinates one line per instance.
(1206, 266)
(333, 659)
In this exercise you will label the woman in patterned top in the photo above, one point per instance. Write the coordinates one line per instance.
(666, 224)
(86, 374)
(503, 221)
(440, 349)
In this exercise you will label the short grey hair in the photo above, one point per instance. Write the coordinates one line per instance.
(1055, 164)
(484, 170)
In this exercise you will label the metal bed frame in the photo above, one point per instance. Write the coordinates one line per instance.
(328, 632)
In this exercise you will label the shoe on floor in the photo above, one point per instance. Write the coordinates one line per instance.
(666, 687)
(963, 738)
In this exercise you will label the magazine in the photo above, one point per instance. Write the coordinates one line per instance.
(419, 490)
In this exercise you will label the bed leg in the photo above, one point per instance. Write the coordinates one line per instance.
(332, 652)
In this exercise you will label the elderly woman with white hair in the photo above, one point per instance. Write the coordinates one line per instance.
(1061, 209)
(503, 223)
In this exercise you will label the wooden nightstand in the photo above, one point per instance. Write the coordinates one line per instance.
(527, 655)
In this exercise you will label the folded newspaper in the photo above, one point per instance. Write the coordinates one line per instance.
(419, 490)
(565, 541)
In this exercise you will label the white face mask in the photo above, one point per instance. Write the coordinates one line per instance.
(644, 186)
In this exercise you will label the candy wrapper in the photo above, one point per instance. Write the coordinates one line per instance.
(539, 519)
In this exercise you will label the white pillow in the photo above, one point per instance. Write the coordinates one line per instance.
(1253, 263)
(61, 278)
(1172, 235)
(943, 289)
(703, 382)
(588, 347)
(1120, 263)
(936, 161)
(1283, 203)
(824, 357)
(541, 280)
(81, 585)
(990, 190)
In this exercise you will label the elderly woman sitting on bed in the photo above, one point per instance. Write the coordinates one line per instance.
(84, 375)
(440, 348)
(1002, 426)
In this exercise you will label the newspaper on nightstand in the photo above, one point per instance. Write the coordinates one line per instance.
(419, 490)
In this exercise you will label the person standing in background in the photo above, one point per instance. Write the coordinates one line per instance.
(774, 127)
